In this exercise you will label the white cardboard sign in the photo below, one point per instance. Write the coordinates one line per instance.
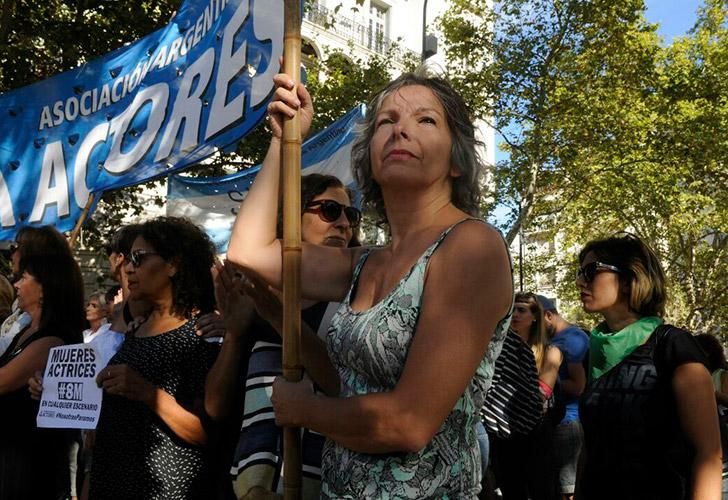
(71, 398)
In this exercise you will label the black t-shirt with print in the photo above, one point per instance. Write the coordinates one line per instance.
(634, 445)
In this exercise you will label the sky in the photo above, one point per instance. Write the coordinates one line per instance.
(675, 17)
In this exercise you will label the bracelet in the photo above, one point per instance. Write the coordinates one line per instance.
(545, 388)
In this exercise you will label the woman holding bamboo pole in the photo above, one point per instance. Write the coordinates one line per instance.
(421, 319)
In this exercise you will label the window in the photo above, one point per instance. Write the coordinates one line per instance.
(377, 25)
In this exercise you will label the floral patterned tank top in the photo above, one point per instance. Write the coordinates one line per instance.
(369, 350)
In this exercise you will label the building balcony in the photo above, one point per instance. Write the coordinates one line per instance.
(368, 37)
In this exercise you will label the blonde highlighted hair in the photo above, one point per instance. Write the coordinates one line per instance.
(640, 270)
(537, 338)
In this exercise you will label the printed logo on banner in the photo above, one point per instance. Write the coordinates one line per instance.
(143, 111)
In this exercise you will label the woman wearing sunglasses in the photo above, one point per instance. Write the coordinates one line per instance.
(411, 339)
(150, 439)
(252, 351)
(648, 412)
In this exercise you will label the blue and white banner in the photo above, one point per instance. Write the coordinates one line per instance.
(212, 202)
(143, 111)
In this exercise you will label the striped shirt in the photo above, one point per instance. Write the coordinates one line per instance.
(514, 403)
(258, 459)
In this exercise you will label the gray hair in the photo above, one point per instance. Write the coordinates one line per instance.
(99, 296)
(464, 155)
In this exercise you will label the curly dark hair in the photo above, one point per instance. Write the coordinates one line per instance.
(464, 153)
(179, 240)
(313, 185)
(63, 306)
(122, 240)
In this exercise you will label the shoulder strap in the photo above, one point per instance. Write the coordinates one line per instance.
(428, 253)
(355, 275)
(431, 249)
(326, 319)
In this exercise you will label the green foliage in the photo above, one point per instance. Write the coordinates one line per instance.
(43, 38)
(606, 129)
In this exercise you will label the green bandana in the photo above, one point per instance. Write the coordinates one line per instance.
(607, 349)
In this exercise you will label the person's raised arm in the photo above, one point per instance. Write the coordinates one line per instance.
(326, 272)
(314, 357)
(223, 380)
(468, 291)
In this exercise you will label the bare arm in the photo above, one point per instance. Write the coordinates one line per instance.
(468, 290)
(122, 380)
(576, 382)
(549, 371)
(186, 424)
(698, 416)
(326, 272)
(16, 373)
(237, 310)
(222, 380)
(315, 358)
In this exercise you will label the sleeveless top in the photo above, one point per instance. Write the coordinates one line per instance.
(32, 459)
(369, 350)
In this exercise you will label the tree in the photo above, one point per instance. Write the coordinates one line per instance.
(41, 39)
(606, 130)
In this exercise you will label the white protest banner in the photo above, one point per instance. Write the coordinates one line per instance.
(71, 398)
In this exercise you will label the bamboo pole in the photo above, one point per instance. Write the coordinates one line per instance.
(81, 220)
(291, 173)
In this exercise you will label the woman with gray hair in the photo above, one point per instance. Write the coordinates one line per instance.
(95, 315)
(421, 319)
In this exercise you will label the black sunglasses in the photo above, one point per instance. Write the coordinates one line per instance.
(589, 271)
(136, 257)
(12, 248)
(330, 211)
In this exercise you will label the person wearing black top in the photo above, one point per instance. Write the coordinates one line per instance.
(34, 462)
(151, 439)
(648, 412)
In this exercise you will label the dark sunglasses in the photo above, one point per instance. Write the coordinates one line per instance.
(330, 211)
(13, 248)
(590, 271)
(136, 257)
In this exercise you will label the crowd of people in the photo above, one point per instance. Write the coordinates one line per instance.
(426, 375)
